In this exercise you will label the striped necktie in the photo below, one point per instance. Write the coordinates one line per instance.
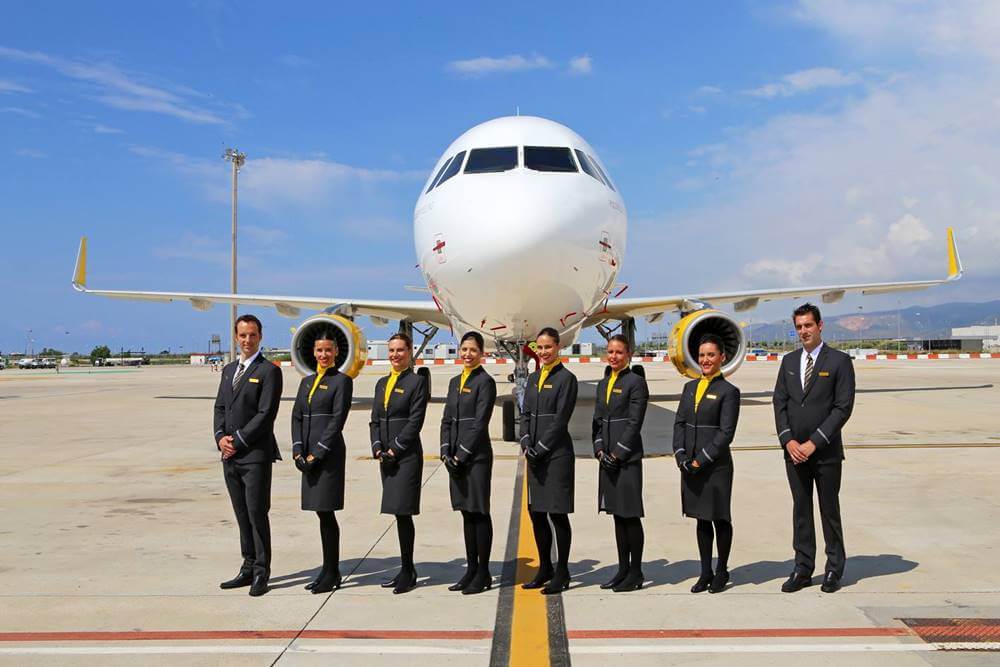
(808, 376)
(242, 369)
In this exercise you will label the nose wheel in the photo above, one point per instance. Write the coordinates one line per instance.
(519, 379)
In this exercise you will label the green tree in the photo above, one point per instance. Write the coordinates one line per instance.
(100, 352)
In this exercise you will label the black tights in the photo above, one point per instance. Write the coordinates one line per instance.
(630, 539)
(478, 539)
(329, 534)
(543, 538)
(407, 534)
(724, 540)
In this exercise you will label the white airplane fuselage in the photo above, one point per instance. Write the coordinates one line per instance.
(509, 252)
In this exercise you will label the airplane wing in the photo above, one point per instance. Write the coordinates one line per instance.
(655, 307)
(289, 306)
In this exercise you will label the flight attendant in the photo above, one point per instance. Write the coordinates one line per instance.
(548, 448)
(619, 410)
(397, 417)
(467, 453)
(321, 408)
(703, 430)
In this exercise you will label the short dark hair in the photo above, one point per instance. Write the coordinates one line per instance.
(621, 339)
(476, 337)
(399, 335)
(247, 317)
(807, 309)
(550, 332)
(326, 334)
(714, 340)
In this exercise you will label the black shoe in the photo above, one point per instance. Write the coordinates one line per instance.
(796, 582)
(481, 582)
(406, 582)
(326, 583)
(558, 583)
(719, 581)
(239, 581)
(632, 582)
(831, 583)
(319, 577)
(704, 581)
(541, 578)
(461, 584)
(615, 580)
(259, 586)
(391, 583)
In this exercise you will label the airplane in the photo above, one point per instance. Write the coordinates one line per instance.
(519, 227)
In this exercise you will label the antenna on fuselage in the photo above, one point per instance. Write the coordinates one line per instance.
(517, 110)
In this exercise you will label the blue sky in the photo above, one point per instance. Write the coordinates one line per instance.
(756, 144)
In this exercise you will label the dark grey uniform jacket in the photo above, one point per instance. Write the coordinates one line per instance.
(397, 428)
(318, 425)
(247, 411)
(546, 413)
(465, 426)
(617, 426)
(820, 412)
(705, 434)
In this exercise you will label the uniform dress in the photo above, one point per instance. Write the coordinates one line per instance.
(321, 408)
(619, 410)
(465, 435)
(545, 419)
(395, 426)
(704, 433)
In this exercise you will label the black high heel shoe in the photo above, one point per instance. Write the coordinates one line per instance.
(632, 582)
(466, 579)
(391, 583)
(559, 583)
(481, 582)
(327, 583)
(319, 577)
(704, 581)
(615, 580)
(540, 579)
(406, 582)
(719, 582)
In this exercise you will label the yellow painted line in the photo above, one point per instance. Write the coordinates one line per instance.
(529, 626)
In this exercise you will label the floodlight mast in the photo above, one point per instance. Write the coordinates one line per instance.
(237, 159)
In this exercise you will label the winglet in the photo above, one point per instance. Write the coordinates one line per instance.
(955, 269)
(80, 272)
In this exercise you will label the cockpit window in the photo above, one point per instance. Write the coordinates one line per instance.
(603, 175)
(491, 160)
(588, 166)
(547, 158)
(452, 169)
(438, 176)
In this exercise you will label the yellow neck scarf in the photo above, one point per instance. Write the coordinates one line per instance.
(466, 372)
(611, 385)
(320, 372)
(702, 388)
(393, 376)
(546, 369)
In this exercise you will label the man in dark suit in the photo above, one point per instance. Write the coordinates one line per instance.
(245, 408)
(813, 399)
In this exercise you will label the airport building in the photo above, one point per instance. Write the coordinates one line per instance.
(988, 335)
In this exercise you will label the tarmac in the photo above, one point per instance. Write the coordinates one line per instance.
(116, 530)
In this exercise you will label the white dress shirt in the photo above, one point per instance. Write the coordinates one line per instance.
(802, 362)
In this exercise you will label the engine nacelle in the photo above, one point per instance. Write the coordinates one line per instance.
(683, 348)
(352, 348)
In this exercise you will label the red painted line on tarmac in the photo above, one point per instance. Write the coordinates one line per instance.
(696, 633)
(715, 633)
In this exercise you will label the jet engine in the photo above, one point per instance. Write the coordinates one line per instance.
(683, 347)
(352, 349)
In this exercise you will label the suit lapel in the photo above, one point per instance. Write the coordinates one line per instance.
(820, 358)
(246, 376)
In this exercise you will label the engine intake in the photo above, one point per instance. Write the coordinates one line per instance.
(352, 349)
(683, 347)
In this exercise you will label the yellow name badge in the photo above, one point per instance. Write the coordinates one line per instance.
(824, 374)
(322, 386)
(254, 380)
(711, 396)
(616, 391)
(399, 391)
(466, 390)
(546, 386)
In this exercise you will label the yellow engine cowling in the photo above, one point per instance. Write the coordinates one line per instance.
(352, 348)
(683, 347)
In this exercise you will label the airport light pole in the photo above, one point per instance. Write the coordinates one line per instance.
(237, 159)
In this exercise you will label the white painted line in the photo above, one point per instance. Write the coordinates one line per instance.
(636, 649)
(357, 649)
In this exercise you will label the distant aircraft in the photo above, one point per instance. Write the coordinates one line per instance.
(520, 227)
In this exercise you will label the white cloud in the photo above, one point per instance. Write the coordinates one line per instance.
(106, 129)
(27, 113)
(485, 65)
(805, 81)
(30, 152)
(115, 88)
(581, 65)
(8, 86)
(708, 90)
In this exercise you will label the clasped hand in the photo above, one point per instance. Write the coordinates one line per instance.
(800, 452)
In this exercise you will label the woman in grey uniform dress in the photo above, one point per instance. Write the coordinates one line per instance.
(619, 410)
(397, 417)
(321, 408)
(703, 430)
(548, 448)
(467, 453)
